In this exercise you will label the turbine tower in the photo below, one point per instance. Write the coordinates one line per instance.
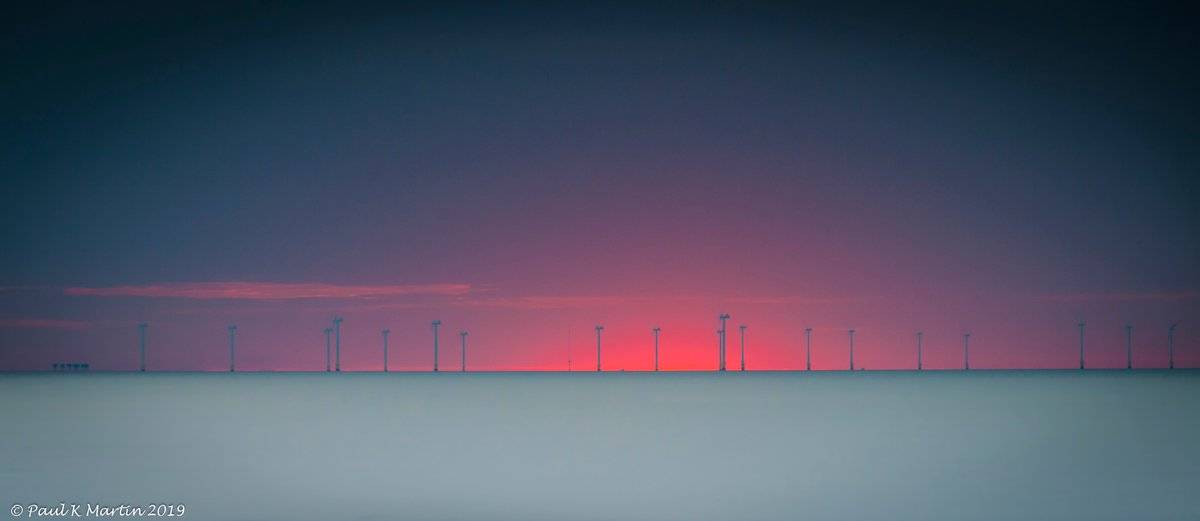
(598, 330)
(463, 358)
(232, 356)
(1128, 346)
(435, 324)
(808, 349)
(742, 328)
(142, 346)
(966, 351)
(721, 341)
(328, 348)
(1171, 346)
(851, 349)
(385, 333)
(920, 336)
(656, 330)
(1081, 356)
(337, 338)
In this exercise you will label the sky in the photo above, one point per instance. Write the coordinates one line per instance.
(526, 173)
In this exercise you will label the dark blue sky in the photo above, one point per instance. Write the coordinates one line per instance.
(950, 161)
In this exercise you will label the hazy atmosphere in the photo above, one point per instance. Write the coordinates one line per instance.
(526, 173)
(604, 261)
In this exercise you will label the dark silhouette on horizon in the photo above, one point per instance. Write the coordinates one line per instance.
(599, 328)
(920, 361)
(337, 336)
(463, 356)
(721, 341)
(656, 331)
(232, 355)
(385, 333)
(920, 366)
(435, 325)
(851, 333)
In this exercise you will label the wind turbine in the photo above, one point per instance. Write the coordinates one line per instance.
(385, 333)
(598, 330)
(435, 324)
(1128, 346)
(328, 331)
(851, 349)
(337, 335)
(1171, 346)
(742, 328)
(723, 317)
(232, 356)
(463, 359)
(966, 352)
(1082, 325)
(142, 346)
(656, 330)
(808, 349)
(920, 336)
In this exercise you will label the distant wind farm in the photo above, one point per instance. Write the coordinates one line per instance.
(653, 349)
(730, 261)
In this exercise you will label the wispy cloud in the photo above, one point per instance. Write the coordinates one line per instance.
(268, 291)
(41, 323)
(453, 295)
(587, 301)
(794, 299)
(551, 302)
(1118, 297)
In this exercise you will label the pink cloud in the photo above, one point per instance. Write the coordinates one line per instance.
(268, 291)
(788, 300)
(550, 302)
(41, 323)
(585, 301)
(462, 295)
